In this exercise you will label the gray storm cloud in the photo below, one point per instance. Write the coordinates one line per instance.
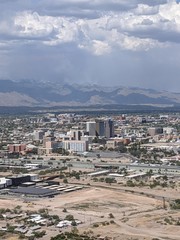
(120, 43)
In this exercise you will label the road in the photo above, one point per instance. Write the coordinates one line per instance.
(174, 170)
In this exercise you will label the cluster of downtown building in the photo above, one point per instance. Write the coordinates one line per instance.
(75, 140)
(82, 133)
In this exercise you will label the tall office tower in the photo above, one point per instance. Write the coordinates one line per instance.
(91, 128)
(100, 128)
(109, 128)
(105, 128)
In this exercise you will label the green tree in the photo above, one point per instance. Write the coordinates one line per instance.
(65, 180)
(69, 217)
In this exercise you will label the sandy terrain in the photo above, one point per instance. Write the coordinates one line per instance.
(135, 217)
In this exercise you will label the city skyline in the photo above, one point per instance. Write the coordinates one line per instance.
(118, 43)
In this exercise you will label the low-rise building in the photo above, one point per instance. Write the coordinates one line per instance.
(75, 146)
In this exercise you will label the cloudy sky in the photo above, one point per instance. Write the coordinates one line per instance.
(107, 42)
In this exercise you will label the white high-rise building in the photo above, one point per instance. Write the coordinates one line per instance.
(91, 128)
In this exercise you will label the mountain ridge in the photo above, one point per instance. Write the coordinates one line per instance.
(46, 94)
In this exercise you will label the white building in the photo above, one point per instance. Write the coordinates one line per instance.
(91, 128)
(169, 130)
(75, 146)
(5, 182)
(76, 134)
(38, 135)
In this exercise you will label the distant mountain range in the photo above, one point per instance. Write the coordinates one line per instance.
(51, 94)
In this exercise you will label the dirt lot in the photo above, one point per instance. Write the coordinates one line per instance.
(135, 217)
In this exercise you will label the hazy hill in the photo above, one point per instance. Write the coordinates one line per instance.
(31, 93)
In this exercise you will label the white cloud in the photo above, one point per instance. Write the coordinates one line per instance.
(143, 9)
(33, 25)
(135, 29)
(97, 47)
(103, 34)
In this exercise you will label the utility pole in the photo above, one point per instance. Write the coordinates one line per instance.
(164, 203)
(84, 217)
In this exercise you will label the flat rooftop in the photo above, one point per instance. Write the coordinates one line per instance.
(34, 191)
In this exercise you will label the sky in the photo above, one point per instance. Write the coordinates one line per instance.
(105, 42)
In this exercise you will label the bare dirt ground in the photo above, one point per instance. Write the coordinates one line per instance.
(135, 217)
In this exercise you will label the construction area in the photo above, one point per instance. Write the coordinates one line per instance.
(107, 204)
(106, 212)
